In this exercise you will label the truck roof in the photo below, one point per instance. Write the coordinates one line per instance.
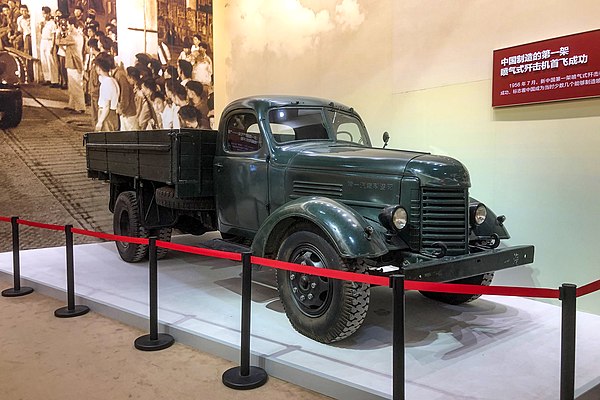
(262, 103)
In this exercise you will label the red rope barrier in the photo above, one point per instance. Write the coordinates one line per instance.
(39, 225)
(411, 285)
(108, 236)
(479, 289)
(199, 250)
(329, 273)
(589, 288)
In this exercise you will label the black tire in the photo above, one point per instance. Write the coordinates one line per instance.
(127, 222)
(326, 310)
(13, 110)
(454, 298)
(163, 234)
(165, 196)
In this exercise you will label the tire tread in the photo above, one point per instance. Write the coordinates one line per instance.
(140, 252)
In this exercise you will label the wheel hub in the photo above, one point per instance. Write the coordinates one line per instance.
(304, 283)
(310, 292)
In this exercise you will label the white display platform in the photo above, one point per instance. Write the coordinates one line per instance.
(494, 348)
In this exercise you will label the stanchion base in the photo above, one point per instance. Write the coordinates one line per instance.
(232, 378)
(64, 312)
(12, 292)
(145, 343)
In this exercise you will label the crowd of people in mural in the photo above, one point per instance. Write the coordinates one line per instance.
(79, 55)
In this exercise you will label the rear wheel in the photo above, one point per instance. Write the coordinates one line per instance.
(323, 309)
(162, 234)
(453, 298)
(127, 222)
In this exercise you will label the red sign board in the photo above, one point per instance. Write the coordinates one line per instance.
(563, 68)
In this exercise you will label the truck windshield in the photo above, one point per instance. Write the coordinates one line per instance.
(294, 124)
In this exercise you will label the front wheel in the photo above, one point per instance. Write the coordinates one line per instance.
(455, 298)
(323, 309)
(127, 222)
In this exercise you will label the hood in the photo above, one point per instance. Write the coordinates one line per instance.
(350, 159)
(432, 170)
(440, 171)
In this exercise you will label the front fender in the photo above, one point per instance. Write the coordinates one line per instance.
(344, 227)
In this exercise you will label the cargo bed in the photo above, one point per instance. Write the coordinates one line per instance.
(181, 158)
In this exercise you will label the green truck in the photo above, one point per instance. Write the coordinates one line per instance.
(297, 179)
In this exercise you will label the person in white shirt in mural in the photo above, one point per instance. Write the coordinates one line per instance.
(62, 27)
(71, 41)
(49, 67)
(202, 67)
(177, 95)
(186, 52)
(169, 113)
(162, 110)
(109, 94)
(24, 29)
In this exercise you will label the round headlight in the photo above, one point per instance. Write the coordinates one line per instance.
(399, 218)
(480, 214)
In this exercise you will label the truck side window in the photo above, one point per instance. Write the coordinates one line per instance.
(243, 134)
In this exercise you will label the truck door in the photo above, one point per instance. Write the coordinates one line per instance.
(241, 175)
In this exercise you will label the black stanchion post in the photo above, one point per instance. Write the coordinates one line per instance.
(71, 310)
(398, 349)
(16, 290)
(245, 377)
(568, 296)
(154, 341)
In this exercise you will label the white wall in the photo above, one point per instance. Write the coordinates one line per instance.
(422, 70)
(329, 48)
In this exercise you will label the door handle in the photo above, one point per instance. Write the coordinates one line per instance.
(219, 167)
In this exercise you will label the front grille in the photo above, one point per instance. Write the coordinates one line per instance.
(444, 218)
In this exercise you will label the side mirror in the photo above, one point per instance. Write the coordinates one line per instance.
(386, 139)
